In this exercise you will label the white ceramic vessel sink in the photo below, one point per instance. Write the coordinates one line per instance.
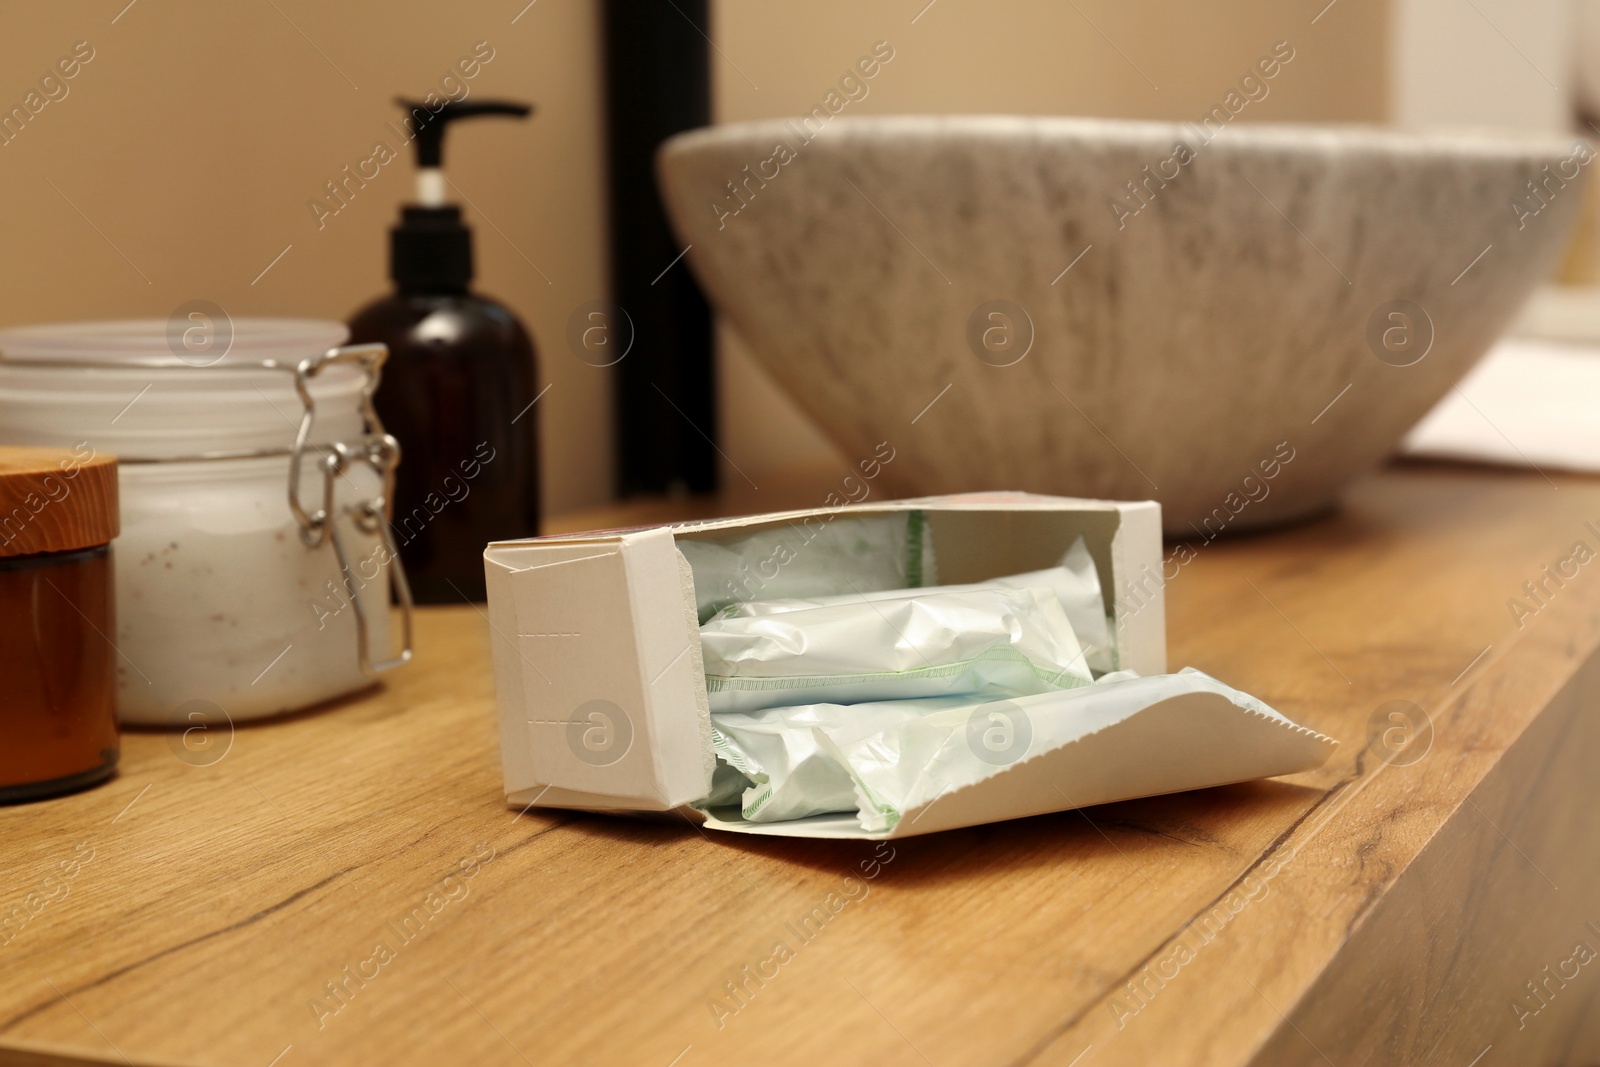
(1236, 328)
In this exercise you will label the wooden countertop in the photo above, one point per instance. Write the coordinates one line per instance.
(1375, 911)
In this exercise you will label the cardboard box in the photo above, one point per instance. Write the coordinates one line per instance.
(602, 697)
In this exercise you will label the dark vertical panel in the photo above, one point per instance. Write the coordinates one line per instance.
(657, 84)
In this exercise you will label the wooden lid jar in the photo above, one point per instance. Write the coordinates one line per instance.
(58, 721)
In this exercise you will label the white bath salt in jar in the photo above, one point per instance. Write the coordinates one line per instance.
(255, 564)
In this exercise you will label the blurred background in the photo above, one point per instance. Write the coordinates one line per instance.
(184, 157)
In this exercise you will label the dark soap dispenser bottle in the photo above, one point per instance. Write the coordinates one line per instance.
(458, 387)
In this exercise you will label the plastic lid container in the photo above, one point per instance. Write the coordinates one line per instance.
(174, 392)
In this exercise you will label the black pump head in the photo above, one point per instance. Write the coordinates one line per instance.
(431, 123)
(431, 250)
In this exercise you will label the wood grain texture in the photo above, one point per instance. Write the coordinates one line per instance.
(55, 500)
(1371, 912)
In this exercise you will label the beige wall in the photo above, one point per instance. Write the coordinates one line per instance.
(197, 134)
(199, 131)
(1031, 57)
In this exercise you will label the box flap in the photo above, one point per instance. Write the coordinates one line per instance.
(597, 671)
(1191, 741)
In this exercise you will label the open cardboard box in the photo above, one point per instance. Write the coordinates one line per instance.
(602, 696)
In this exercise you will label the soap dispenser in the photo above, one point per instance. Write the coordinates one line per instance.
(458, 387)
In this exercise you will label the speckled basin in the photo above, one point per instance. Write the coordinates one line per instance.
(1235, 321)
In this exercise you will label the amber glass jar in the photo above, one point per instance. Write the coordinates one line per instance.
(58, 720)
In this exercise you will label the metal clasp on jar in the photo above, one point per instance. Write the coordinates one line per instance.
(376, 449)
